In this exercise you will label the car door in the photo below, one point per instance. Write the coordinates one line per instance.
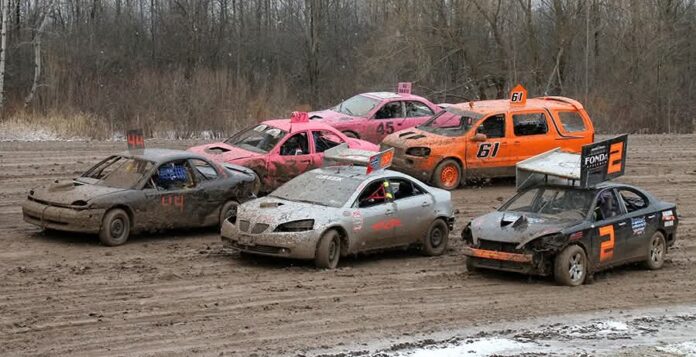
(643, 222)
(213, 191)
(386, 120)
(416, 113)
(414, 210)
(376, 210)
(489, 154)
(171, 197)
(531, 134)
(610, 230)
(289, 158)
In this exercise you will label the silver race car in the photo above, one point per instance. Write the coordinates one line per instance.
(334, 211)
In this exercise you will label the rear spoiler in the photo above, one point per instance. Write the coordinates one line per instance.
(599, 162)
(373, 161)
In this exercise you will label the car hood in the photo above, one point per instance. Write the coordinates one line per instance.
(515, 227)
(414, 137)
(223, 152)
(68, 192)
(331, 115)
(274, 211)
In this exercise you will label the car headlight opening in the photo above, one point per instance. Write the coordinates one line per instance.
(296, 226)
(418, 151)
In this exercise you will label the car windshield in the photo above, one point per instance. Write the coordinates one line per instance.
(119, 171)
(450, 122)
(319, 188)
(563, 203)
(261, 138)
(358, 105)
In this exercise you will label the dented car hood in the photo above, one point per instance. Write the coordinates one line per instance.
(516, 227)
(223, 152)
(274, 211)
(67, 192)
(415, 137)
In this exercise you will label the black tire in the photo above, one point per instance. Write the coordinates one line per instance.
(570, 266)
(657, 248)
(470, 265)
(435, 241)
(328, 250)
(228, 209)
(447, 175)
(351, 134)
(115, 229)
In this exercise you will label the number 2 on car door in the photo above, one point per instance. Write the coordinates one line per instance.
(488, 150)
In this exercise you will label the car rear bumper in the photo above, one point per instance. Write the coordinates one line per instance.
(62, 218)
(296, 245)
(497, 260)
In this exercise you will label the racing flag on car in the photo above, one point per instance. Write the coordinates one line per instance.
(603, 161)
(380, 161)
(135, 139)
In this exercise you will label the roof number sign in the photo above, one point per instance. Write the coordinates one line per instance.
(403, 88)
(135, 139)
(299, 117)
(603, 160)
(518, 95)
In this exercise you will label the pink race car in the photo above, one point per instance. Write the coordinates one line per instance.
(278, 150)
(372, 116)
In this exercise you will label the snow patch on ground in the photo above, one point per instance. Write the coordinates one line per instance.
(680, 349)
(474, 348)
(26, 132)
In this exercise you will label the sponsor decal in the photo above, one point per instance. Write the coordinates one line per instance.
(386, 224)
(638, 225)
(576, 236)
(357, 221)
(329, 178)
(380, 161)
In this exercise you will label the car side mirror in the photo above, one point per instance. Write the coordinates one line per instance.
(479, 137)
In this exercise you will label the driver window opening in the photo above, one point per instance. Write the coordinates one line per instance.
(607, 206)
(374, 194)
(416, 109)
(633, 200)
(390, 111)
(172, 176)
(493, 127)
(203, 170)
(402, 188)
(295, 145)
(325, 140)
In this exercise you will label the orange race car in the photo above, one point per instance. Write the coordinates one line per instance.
(487, 138)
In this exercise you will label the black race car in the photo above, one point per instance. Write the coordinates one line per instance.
(571, 232)
(149, 189)
(566, 221)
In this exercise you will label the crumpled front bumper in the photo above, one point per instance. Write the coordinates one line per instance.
(296, 245)
(496, 260)
(62, 218)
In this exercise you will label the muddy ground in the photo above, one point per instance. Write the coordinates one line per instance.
(175, 293)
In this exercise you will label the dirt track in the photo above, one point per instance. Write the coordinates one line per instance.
(175, 293)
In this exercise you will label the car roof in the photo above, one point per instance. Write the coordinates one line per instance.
(286, 125)
(599, 186)
(500, 105)
(161, 155)
(357, 172)
(392, 95)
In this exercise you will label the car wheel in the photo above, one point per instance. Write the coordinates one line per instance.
(328, 250)
(656, 252)
(435, 242)
(470, 267)
(228, 210)
(570, 267)
(115, 227)
(447, 175)
(351, 134)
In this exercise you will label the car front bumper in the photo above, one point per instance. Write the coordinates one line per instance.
(62, 218)
(416, 166)
(492, 259)
(296, 245)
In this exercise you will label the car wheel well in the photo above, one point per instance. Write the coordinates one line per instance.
(125, 208)
(458, 160)
(668, 237)
(343, 237)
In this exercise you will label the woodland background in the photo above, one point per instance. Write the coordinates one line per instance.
(190, 65)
